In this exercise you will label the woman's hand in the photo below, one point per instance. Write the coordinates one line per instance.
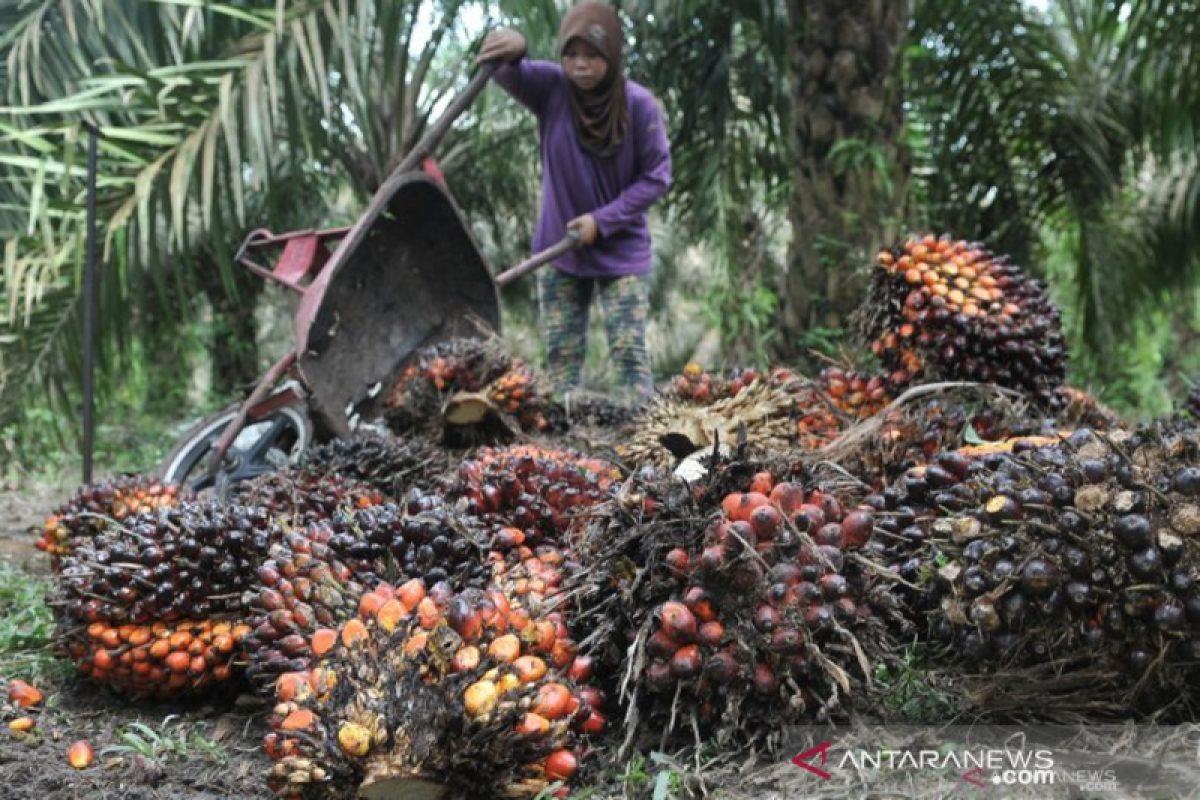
(503, 44)
(586, 227)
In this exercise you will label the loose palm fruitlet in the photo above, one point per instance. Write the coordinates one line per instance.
(188, 561)
(437, 687)
(939, 309)
(749, 609)
(158, 660)
(1075, 554)
(114, 499)
(528, 495)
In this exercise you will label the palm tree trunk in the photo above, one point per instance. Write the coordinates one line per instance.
(851, 168)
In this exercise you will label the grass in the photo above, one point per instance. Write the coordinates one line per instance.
(26, 628)
(909, 693)
(174, 740)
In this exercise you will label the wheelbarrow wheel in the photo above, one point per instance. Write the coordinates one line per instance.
(267, 445)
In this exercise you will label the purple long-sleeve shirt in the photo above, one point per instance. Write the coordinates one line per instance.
(617, 191)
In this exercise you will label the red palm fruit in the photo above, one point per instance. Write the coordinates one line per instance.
(678, 622)
(561, 765)
(323, 641)
(677, 561)
(22, 724)
(464, 619)
(508, 538)
(765, 521)
(563, 653)
(808, 518)
(730, 504)
(466, 659)
(699, 603)
(369, 604)
(530, 668)
(411, 594)
(353, 632)
(552, 701)
(788, 497)
(23, 694)
(829, 534)
(714, 558)
(592, 697)
(581, 669)
(765, 682)
(857, 528)
(762, 483)
(533, 725)
(746, 505)
(722, 667)
(766, 618)
(299, 720)
(661, 646)
(505, 649)
(711, 633)
(428, 613)
(829, 505)
(659, 677)
(291, 685)
(787, 640)
(80, 755)
(594, 723)
(686, 663)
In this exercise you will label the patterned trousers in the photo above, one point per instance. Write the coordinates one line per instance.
(564, 302)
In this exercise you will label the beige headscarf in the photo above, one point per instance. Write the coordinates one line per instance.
(601, 114)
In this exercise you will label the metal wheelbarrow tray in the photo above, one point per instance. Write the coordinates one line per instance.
(408, 275)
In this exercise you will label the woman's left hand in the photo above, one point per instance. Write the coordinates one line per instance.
(586, 226)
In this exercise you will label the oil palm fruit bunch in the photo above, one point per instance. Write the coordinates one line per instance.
(743, 601)
(300, 496)
(919, 430)
(766, 408)
(1072, 554)
(157, 660)
(314, 576)
(858, 394)
(696, 385)
(943, 309)
(528, 495)
(389, 464)
(438, 371)
(114, 499)
(189, 561)
(302, 585)
(432, 687)
(459, 386)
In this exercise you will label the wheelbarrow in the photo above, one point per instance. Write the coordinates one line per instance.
(408, 274)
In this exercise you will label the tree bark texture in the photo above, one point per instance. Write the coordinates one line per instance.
(851, 165)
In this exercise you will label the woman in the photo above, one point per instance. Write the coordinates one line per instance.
(604, 163)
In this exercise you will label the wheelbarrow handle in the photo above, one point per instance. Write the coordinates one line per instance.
(565, 245)
(433, 137)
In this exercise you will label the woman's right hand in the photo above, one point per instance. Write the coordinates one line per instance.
(503, 44)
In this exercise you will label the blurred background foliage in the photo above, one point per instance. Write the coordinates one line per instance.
(1062, 132)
